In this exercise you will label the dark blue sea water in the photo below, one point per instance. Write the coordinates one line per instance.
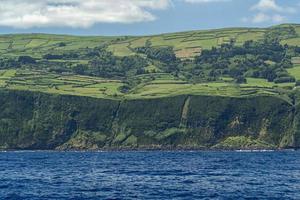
(150, 175)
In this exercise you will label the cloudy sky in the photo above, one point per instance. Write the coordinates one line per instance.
(140, 17)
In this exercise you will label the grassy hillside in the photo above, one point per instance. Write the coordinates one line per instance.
(162, 86)
(227, 88)
(153, 84)
(186, 44)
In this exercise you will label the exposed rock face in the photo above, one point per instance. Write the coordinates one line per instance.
(41, 121)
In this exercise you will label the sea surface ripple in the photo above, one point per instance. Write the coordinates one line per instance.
(150, 175)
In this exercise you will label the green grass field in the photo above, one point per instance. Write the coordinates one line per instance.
(186, 45)
(295, 71)
(163, 86)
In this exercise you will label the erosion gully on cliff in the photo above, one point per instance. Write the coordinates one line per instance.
(31, 120)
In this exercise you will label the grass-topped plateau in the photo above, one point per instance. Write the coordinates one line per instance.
(225, 89)
(225, 62)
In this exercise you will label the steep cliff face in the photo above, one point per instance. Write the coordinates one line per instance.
(41, 121)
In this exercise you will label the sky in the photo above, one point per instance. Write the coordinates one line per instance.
(141, 17)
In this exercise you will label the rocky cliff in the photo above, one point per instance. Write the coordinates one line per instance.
(31, 120)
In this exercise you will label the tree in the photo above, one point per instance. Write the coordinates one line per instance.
(240, 80)
(26, 60)
(79, 69)
(62, 44)
(52, 57)
(163, 54)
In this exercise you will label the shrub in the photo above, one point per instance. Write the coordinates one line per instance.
(240, 80)
(289, 79)
(62, 44)
(26, 60)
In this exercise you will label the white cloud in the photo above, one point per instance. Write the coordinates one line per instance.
(205, 1)
(278, 18)
(76, 13)
(269, 11)
(263, 17)
(271, 5)
(264, 5)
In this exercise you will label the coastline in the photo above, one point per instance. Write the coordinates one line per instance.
(123, 149)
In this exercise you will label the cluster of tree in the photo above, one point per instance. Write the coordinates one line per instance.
(71, 55)
(163, 54)
(84, 54)
(266, 59)
(26, 60)
(7, 63)
(163, 57)
(104, 64)
(281, 33)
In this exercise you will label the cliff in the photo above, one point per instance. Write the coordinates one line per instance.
(32, 120)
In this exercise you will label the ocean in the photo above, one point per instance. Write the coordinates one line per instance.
(150, 175)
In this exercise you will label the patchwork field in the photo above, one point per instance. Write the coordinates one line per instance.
(164, 85)
(186, 44)
(169, 90)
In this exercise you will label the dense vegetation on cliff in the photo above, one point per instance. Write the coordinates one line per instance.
(30, 120)
(201, 89)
